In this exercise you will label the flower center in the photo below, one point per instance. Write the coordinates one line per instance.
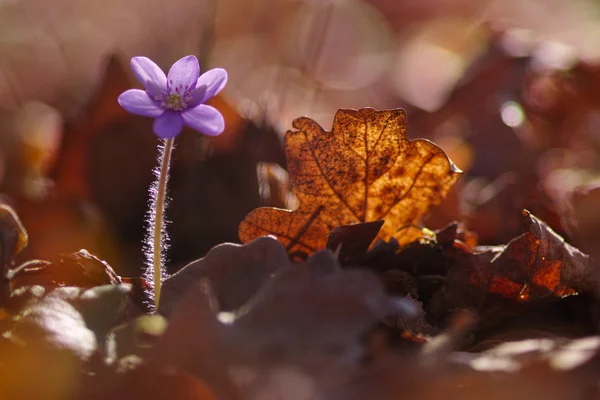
(175, 102)
(175, 98)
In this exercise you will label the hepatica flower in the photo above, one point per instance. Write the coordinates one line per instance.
(178, 98)
(175, 100)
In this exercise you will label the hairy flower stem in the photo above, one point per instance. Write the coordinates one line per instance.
(158, 205)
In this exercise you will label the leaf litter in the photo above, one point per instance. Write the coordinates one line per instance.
(349, 297)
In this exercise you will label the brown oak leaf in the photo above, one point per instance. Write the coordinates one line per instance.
(364, 169)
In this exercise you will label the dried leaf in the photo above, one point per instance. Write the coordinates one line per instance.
(103, 306)
(308, 310)
(353, 241)
(76, 269)
(535, 265)
(100, 308)
(364, 169)
(456, 235)
(235, 273)
(57, 323)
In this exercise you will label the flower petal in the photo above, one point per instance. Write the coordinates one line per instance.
(208, 85)
(138, 102)
(204, 119)
(168, 125)
(150, 74)
(183, 74)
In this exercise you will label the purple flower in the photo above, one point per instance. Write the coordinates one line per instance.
(176, 99)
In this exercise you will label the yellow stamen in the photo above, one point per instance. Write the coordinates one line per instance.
(175, 102)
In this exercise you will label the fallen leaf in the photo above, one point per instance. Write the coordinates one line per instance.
(352, 241)
(456, 235)
(46, 310)
(235, 273)
(417, 269)
(103, 306)
(534, 266)
(76, 269)
(536, 263)
(364, 169)
(311, 313)
(53, 320)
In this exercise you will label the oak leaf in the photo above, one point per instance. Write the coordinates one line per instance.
(364, 169)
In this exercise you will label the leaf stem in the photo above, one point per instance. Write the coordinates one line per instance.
(157, 223)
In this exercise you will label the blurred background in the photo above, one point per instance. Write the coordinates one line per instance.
(510, 89)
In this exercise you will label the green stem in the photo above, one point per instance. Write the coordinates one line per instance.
(159, 210)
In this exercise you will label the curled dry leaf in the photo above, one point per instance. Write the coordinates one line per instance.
(532, 266)
(538, 262)
(364, 169)
(76, 269)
